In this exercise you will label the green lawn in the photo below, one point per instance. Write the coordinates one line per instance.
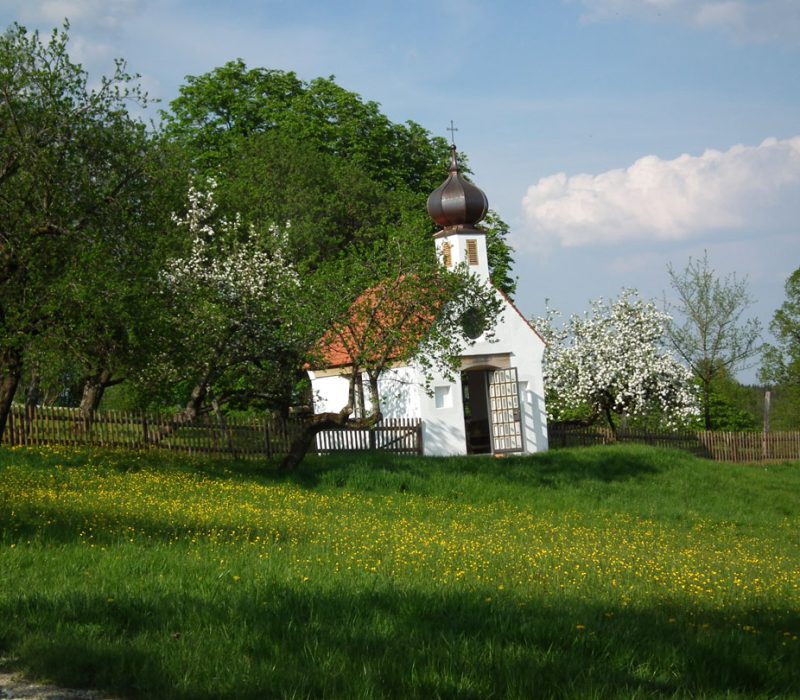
(603, 572)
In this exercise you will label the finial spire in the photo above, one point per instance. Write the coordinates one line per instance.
(452, 129)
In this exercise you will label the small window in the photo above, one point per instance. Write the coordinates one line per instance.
(443, 397)
(447, 254)
(472, 251)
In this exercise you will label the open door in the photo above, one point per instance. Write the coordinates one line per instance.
(504, 411)
(474, 386)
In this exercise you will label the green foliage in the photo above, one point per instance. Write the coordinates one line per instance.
(781, 362)
(784, 407)
(75, 203)
(498, 253)
(733, 407)
(330, 202)
(215, 110)
(546, 576)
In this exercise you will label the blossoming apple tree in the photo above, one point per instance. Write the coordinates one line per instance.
(229, 299)
(612, 362)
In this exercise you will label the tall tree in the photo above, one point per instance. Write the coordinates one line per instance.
(69, 158)
(314, 149)
(713, 337)
(109, 306)
(215, 110)
(611, 362)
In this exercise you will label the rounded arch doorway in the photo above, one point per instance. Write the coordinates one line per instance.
(492, 415)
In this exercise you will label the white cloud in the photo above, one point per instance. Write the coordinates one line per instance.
(748, 20)
(106, 14)
(668, 200)
(96, 26)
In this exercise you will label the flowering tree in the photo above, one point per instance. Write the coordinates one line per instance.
(611, 361)
(229, 299)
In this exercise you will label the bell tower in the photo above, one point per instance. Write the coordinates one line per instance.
(457, 206)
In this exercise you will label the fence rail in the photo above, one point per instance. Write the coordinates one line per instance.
(241, 438)
(720, 446)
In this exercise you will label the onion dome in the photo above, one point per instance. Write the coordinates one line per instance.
(457, 202)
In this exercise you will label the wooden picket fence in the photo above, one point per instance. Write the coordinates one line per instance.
(240, 438)
(399, 435)
(716, 445)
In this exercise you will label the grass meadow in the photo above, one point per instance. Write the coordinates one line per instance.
(602, 572)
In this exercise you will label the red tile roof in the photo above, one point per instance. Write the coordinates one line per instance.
(386, 323)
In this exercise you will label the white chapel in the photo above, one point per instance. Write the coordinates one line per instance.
(495, 405)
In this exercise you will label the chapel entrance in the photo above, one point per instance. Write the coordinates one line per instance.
(492, 411)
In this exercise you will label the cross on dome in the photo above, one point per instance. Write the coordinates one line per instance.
(452, 129)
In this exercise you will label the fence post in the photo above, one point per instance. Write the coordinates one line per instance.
(8, 436)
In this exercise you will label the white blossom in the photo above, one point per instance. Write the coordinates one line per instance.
(613, 360)
(227, 259)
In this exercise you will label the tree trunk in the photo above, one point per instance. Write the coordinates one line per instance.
(33, 394)
(707, 405)
(316, 424)
(93, 390)
(223, 426)
(10, 372)
(610, 420)
(195, 402)
(190, 412)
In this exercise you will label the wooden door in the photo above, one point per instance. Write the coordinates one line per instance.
(504, 410)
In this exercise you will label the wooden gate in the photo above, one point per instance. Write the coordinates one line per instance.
(398, 435)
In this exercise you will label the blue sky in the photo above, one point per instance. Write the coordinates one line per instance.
(614, 136)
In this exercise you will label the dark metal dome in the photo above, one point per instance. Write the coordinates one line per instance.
(457, 202)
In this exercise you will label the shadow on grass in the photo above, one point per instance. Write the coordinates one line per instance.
(554, 469)
(281, 642)
(376, 471)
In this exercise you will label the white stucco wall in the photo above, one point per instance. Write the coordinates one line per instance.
(398, 389)
(515, 337)
(443, 429)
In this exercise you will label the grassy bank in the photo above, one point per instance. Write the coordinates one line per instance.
(604, 572)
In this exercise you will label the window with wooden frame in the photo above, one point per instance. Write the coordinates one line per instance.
(447, 254)
(472, 251)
